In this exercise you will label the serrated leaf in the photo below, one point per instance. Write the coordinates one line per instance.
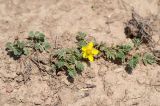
(39, 47)
(9, 46)
(71, 72)
(149, 59)
(20, 44)
(26, 51)
(137, 42)
(79, 66)
(61, 53)
(77, 54)
(60, 64)
(40, 37)
(82, 43)
(30, 44)
(120, 55)
(101, 47)
(133, 61)
(81, 36)
(110, 53)
(71, 59)
(125, 48)
(17, 52)
(31, 34)
(46, 45)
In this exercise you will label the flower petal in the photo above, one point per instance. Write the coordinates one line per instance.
(90, 57)
(95, 51)
(84, 55)
(90, 45)
(84, 48)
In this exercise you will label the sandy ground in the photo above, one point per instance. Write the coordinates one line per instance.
(102, 19)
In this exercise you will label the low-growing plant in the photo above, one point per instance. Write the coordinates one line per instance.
(81, 39)
(149, 59)
(110, 53)
(38, 41)
(106, 52)
(132, 63)
(17, 48)
(117, 53)
(122, 52)
(137, 42)
(69, 60)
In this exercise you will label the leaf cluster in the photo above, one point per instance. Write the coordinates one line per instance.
(68, 60)
(132, 63)
(122, 52)
(137, 42)
(71, 60)
(148, 58)
(81, 39)
(17, 48)
(115, 53)
(38, 41)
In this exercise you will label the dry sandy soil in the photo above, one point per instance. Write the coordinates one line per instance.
(101, 84)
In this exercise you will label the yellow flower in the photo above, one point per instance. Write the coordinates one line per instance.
(89, 51)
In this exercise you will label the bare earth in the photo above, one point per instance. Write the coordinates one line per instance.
(101, 84)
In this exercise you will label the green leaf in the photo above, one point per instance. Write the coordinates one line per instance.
(17, 48)
(81, 36)
(149, 59)
(82, 43)
(17, 52)
(110, 53)
(71, 72)
(9, 46)
(40, 37)
(39, 47)
(134, 61)
(26, 51)
(61, 53)
(79, 66)
(120, 55)
(39, 41)
(125, 48)
(137, 42)
(77, 54)
(102, 47)
(71, 59)
(20, 44)
(31, 34)
(60, 64)
(46, 45)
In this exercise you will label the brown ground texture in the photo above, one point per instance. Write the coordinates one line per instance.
(101, 84)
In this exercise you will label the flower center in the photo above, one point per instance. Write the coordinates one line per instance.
(89, 51)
